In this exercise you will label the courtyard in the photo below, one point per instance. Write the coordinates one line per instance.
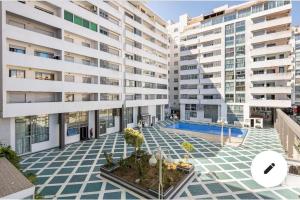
(221, 173)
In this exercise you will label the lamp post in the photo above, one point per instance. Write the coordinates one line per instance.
(159, 155)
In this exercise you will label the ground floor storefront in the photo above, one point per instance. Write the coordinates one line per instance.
(30, 134)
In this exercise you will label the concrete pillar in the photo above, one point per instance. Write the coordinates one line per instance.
(62, 129)
(96, 124)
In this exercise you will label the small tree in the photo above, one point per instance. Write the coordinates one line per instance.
(188, 147)
(134, 138)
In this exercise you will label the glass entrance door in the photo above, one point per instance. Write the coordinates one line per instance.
(23, 138)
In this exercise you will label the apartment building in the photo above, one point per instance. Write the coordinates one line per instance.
(173, 63)
(296, 62)
(72, 68)
(235, 63)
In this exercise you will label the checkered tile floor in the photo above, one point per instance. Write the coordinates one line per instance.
(222, 173)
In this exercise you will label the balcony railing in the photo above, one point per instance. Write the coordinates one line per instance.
(289, 132)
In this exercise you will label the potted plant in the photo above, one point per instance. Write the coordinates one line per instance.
(188, 147)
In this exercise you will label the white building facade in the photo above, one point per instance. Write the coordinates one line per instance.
(236, 62)
(72, 69)
(296, 59)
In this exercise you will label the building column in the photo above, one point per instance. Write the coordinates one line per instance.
(62, 129)
(96, 124)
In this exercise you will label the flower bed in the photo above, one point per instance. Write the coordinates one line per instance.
(135, 173)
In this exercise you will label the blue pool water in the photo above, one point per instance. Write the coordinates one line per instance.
(208, 129)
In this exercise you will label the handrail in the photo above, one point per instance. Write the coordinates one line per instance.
(293, 125)
(288, 131)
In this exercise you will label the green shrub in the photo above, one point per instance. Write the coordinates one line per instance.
(134, 138)
(11, 155)
(188, 147)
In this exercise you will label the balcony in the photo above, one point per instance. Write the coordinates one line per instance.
(272, 23)
(210, 91)
(211, 101)
(270, 103)
(270, 90)
(271, 50)
(271, 36)
(271, 63)
(267, 77)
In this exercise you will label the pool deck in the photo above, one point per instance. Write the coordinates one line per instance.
(221, 173)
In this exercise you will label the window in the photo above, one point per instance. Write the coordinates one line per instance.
(229, 98)
(189, 76)
(16, 73)
(229, 17)
(44, 76)
(240, 74)
(229, 64)
(229, 52)
(129, 115)
(80, 21)
(244, 13)
(240, 50)
(192, 107)
(188, 67)
(175, 71)
(43, 54)
(68, 16)
(240, 39)
(107, 116)
(297, 37)
(260, 58)
(229, 29)
(229, 87)
(240, 86)
(229, 75)
(240, 26)
(17, 49)
(240, 63)
(257, 8)
(229, 40)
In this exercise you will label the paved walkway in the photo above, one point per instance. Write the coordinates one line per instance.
(222, 173)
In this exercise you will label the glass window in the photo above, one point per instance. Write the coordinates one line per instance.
(244, 13)
(297, 37)
(229, 29)
(229, 98)
(257, 8)
(240, 63)
(17, 49)
(93, 26)
(129, 115)
(78, 20)
(85, 23)
(229, 64)
(68, 16)
(240, 39)
(229, 87)
(229, 75)
(240, 50)
(240, 98)
(229, 40)
(44, 76)
(240, 26)
(229, 17)
(229, 52)
(16, 73)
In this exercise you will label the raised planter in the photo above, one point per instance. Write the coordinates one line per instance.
(169, 193)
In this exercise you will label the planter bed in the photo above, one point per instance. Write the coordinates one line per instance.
(148, 185)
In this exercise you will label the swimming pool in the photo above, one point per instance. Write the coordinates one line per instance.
(208, 129)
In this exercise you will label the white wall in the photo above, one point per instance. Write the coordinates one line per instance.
(7, 131)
